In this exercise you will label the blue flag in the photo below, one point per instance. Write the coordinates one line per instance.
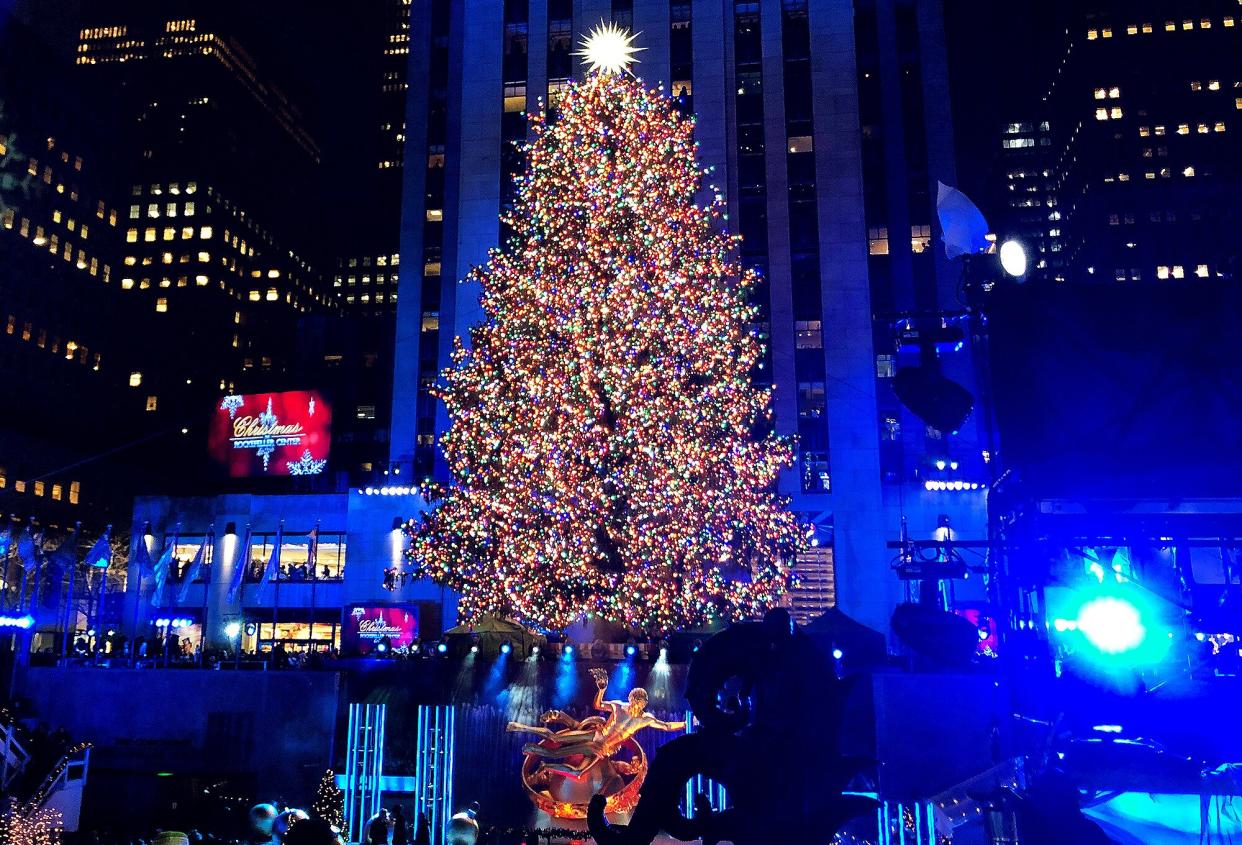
(196, 566)
(273, 563)
(241, 562)
(100, 555)
(161, 571)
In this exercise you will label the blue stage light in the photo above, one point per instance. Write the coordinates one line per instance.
(505, 648)
(474, 649)
(837, 654)
(24, 622)
(568, 652)
(441, 648)
(1112, 625)
(631, 650)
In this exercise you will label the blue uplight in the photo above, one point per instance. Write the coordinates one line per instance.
(1112, 625)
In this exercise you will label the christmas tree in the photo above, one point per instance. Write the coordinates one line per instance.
(329, 803)
(609, 453)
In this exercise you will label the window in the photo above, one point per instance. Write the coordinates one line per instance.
(877, 241)
(1018, 143)
(135, 379)
(131, 236)
(801, 144)
(811, 399)
(920, 238)
(1179, 272)
(295, 556)
(885, 366)
(152, 403)
(161, 304)
(808, 334)
(38, 488)
(205, 233)
(1101, 114)
(1201, 271)
(365, 412)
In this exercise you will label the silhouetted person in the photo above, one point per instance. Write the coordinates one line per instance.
(400, 831)
(377, 828)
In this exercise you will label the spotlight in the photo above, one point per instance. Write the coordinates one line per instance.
(940, 464)
(474, 649)
(383, 646)
(1112, 625)
(1013, 258)
(441, 647)
(415, 647)
(837, 654)
(663, 652)
(534, 650)
(631, 650)
(505, 647)
(568, 652)
(232, 629)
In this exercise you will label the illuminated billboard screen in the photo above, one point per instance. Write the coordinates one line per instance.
(271, 434)
(366, 625)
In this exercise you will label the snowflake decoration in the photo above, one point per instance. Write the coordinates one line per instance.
(267, 418)
(231, 404)
(310, 407)
(306, 465)
(265, 451)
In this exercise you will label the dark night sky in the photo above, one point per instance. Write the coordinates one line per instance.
(1001, 55)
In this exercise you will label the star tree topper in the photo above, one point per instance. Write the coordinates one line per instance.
(608, 48)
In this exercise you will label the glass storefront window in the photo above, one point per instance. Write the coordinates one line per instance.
(295, 554)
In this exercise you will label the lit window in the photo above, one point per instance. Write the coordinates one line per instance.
(152, 403)
(808, 334)
(920, 238)
(148, 235)
(255, 296)
(1092, 34)
(187, 232)
(1220, 126)
(58, 492)
(1196, 85)
(1159, 130)
(201, 281)
(1203, 129)
(189, 209)
(170, 210)
(1101, 114)
(75, 489)
(1188, 24)
(1162, 272)
(38, 488)
(1214, 85)
(1144, 131)
(1201, 271)
(1101, 93)
(161, 304)
(801, 144)
(1179, 272)
(1106, 32)
(1115, 112)
(1205, 23)
(435, 215)
(1228, 21)
(1183, 129)
(272, 295)
(1189, 171)
(1132, 29)
(131, 236)
(205, 232)
(135, 379)
(877, 241)
(204, 257)
(1114, 92)
(1147, 28)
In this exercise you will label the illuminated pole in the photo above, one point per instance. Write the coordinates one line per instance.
(70, 619)
(314, 564)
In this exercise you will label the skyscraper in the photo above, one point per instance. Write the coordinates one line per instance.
(219, 224)
(827, 127)
(1130, 155)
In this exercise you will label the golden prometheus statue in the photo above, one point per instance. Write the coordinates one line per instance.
(595, 756)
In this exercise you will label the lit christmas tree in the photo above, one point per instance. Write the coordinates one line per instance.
(329, 803)
(609, 453)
